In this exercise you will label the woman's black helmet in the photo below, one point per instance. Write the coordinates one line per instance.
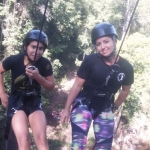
(102, 29)
(33, 35)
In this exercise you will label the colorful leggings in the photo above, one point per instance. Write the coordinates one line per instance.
(103, 126)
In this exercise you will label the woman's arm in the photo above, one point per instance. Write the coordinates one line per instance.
(4, 97)
(76, 88)
(122, 95)
(46, 82)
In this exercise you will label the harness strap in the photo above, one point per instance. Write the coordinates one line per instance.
(9, 117)
(33, 92)
(96, 103)
(81, 102)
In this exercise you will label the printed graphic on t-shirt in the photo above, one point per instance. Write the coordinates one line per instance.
(23, 81)
(48, 67)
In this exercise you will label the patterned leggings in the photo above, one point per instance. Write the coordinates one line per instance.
(103, 126)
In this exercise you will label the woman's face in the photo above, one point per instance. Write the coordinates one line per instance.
(105, 46)
(31, 50)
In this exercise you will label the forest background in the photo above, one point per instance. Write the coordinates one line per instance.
(68, 25)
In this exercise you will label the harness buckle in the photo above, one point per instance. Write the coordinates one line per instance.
(80, 101)
(101, 94)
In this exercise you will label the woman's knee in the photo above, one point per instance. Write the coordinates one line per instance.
(23, 141)
(40, 139)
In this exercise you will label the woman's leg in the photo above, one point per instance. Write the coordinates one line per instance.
(37, 122)
(103, 129)
(20, 127)
(80, 121)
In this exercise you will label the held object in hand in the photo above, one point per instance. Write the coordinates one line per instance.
(32, 68)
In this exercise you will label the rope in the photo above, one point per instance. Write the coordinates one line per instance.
(40, 31)
(124, 35)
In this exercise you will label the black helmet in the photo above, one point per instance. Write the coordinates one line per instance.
(102, 29)
(34, 35)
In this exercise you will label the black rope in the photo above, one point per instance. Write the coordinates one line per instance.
(40, 32)
(123, 38)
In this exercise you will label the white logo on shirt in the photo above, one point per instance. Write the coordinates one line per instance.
(120, 76)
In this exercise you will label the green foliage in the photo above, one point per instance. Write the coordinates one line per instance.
(68, 25)
(136, 50)
(56, 67)
(7, 81)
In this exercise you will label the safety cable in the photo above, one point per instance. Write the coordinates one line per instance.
(40, 32)
(124, 35)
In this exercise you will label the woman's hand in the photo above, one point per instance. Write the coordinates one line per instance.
(65, 116)
(4, 100)
(32, 72)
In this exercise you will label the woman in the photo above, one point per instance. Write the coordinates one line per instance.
(99, 77)
(24, 104)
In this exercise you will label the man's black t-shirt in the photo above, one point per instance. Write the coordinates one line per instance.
(94, 70)
(15, 63)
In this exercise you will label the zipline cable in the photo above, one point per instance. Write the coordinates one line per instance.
(124, 35)
(123, 38)
(40, 32)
